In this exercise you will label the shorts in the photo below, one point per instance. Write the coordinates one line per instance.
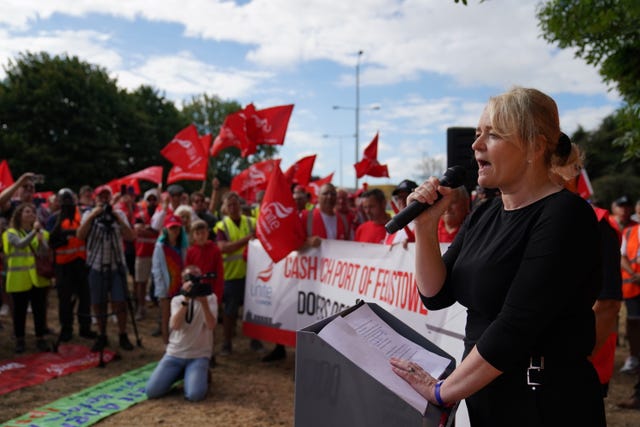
(142, 269)
(101, 284)
(233, 296)
(633, 307)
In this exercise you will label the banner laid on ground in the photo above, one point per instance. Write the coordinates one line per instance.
(308, 286)
(37, 368)
(92, 404)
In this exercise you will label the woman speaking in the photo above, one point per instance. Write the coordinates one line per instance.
(526, 266)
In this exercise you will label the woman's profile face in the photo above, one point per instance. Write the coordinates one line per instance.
(501, 162)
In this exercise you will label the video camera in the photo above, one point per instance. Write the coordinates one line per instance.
(106, 217)
(198, 289)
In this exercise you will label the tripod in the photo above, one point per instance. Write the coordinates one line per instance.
(104, 241)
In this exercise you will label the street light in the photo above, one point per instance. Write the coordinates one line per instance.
(357, 109)
(339, 138)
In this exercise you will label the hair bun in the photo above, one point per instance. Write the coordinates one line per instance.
(564, 145)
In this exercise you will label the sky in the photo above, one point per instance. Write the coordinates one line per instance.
(426, 65)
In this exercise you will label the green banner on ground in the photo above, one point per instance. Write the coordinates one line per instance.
(90, 405)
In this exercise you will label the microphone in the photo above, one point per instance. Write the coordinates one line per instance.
(453, 177)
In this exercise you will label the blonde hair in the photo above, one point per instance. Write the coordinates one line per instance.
(531, 118)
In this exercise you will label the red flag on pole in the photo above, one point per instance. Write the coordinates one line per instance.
(185, 149)
(268, 126)
(6, 179)
(248, 128)
(369, 164)
(300, 172)
(253, 179)
(584, 188)
(233, 133)
(279, 228)
(152, 173)
(198, 173)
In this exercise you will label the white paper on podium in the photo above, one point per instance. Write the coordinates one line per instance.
(369, 342)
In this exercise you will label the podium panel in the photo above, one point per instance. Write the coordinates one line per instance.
(331, 390)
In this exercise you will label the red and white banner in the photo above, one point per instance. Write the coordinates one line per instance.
(308, 286)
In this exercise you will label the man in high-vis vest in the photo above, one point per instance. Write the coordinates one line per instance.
(71, 268)
(233, 233)
(630, 264)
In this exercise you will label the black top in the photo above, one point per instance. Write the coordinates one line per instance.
(528, 278)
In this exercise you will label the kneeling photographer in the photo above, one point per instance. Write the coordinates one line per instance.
(193, 317)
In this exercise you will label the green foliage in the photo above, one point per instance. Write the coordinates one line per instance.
(612, 173)
(606, 34)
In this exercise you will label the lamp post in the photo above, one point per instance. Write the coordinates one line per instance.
(357, 110)
(339, 138)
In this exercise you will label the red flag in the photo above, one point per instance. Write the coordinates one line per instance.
(185, 149)
(253, 179)
(268, 126)
(584, 188)
(314, 187)
(199, 173)
(369, 164)
(300, 172)
(233, 133)
(5, 175)
(152, 173)
(248, 128)
(279, 228)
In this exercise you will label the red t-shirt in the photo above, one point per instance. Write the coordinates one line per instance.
(443, 235)
(370, 232)
(209, 259)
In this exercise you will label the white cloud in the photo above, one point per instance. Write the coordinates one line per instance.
(182, 75)
(588, 118)
(90, 46)
(495, 43)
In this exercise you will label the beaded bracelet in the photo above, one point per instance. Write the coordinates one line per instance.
(437, 393)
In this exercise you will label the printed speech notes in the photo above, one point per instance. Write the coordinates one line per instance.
(369, 342)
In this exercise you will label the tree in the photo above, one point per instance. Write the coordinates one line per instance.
(430, 166)
(606, 35)
(68, 119)
(611, 175)
(208, 113)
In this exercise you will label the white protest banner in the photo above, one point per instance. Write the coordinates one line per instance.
(308, 286)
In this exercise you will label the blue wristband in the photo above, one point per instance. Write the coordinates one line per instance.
(437, 393)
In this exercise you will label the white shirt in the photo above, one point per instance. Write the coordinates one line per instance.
(192, 340)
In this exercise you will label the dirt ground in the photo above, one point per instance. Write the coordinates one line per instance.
(244, 391)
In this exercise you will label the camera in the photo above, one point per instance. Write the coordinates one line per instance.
(198, 289)
(38, 179)
(106, 217)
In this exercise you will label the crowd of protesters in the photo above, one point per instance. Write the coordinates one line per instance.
(107, 243)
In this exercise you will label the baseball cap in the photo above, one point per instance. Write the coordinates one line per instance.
(406, 185)
(103, 188)
(152, 192)
(172, 220)
(623, 201)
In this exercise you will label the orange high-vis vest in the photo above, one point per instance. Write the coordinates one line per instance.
(74, 248)
(632, 244)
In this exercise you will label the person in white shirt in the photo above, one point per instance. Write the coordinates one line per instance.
(193, 317)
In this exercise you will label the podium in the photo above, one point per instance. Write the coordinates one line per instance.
(331, 390)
